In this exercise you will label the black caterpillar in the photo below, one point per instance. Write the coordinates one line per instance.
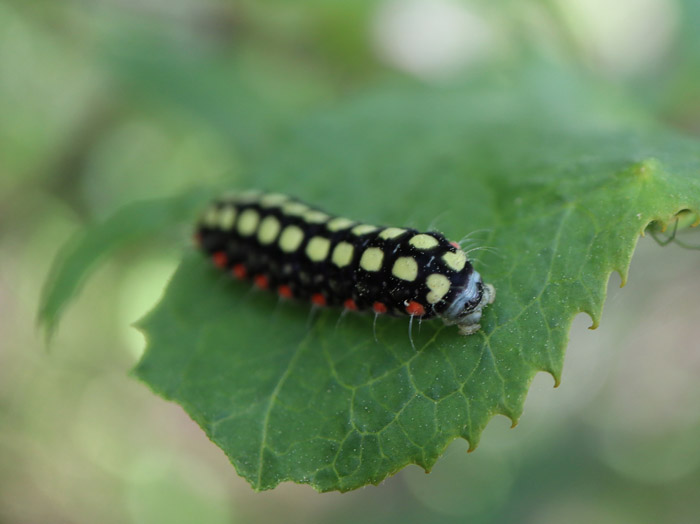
(301, 252)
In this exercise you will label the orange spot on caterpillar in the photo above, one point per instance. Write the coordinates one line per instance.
(285, 291)
(318, 299)
(350, 304)
(379, 308)
(415, 308)
(261, 281)
(239, 271)
(455, 244)
(220, 260)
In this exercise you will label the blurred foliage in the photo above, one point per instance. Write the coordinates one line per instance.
(140, 221)
(84, 132)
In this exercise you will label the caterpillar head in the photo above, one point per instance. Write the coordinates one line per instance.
(466, 308)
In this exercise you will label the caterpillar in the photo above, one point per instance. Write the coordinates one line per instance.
(301, 252)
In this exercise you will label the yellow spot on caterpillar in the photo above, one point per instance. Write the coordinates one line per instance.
(313, 216)
(391, 232)
(248, 222)
(363, 229)
(405, 268)
(438, 285)
(339, 223)
(227, 217)
(273, 199)
(342, 254)
(290, 239)
(423, 241)
(269, 229)
(372, 259)
(211, 217)
(294, 208)
(317, 249)
(455, 261)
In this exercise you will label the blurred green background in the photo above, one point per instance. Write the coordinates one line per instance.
(106, 101)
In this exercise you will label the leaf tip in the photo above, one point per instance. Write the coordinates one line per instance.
(473, 444)
(555, 373)
(595, 322)
(46, 326)
(622, 273)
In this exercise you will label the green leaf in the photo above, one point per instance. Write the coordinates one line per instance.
(556, 178)
(561, 185)
(76, 260)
